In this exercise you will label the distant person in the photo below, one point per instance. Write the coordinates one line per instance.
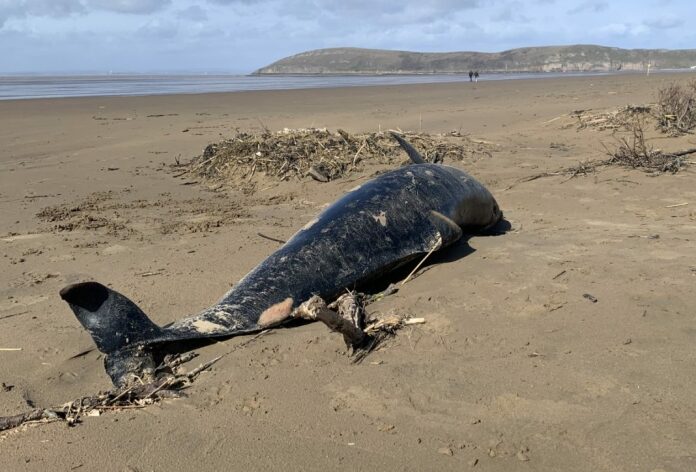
(471, 75)
(476, 74)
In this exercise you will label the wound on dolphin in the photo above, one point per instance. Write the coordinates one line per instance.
(377, 227)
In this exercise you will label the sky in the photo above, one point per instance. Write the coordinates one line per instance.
(239, 36)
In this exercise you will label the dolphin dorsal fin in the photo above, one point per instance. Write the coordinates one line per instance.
(414, 155)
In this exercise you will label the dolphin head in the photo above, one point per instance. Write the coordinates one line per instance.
(475, 207)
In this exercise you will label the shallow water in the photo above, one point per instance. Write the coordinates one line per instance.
(45, 86)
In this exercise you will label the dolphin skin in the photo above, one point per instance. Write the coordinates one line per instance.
(373, 229)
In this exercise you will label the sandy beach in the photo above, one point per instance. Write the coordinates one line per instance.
(515, 368)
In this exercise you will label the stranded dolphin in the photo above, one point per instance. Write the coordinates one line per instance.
(370, 231)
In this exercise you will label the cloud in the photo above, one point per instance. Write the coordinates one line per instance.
(595, 7)
(192, 13)
(136, 35)
(53, 8)
(365, 11)
(512, 12)
(664, 23)
(63, 8)
(130, 6)
(622, 29)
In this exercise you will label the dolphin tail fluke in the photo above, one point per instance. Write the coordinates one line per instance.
(113, 321)
(414, 155)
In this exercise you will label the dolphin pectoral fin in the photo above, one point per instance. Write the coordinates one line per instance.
(449, 231)
(414, 155)
(113, 321)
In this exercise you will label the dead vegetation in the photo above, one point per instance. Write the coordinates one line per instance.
(321, 154)
(677, 108)
(634, 152)
(137, 395)
(621, 119)
(674, 113)
(105, 213)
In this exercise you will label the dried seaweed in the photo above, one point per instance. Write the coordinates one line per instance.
(677, 108)
(320, 153)
(620, 119)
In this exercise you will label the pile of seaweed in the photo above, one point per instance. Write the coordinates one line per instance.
(322, 154)
(621, 118)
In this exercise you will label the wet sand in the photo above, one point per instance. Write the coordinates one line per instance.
(514, 369)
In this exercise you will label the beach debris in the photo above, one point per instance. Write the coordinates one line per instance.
(676, 113)
(169, 381)
(321, 154)
(621, 118)
(445, 451)
(636, 153)
(522, 454)
(317, 174)
(271, 238)
(590, 297)
(632, 152)
(107, 213)
(362, 333)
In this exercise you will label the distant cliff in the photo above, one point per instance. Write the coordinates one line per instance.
(534, 59)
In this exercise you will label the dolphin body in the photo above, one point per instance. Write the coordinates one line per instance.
(367, 233)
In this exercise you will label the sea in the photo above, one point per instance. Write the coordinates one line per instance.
(55, 86)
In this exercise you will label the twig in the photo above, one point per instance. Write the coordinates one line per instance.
(9, 422)
(269, 238)
(435, 246)
(684, 152)
(194, 373)
(13, 315)
(677, 205)
(10, 349)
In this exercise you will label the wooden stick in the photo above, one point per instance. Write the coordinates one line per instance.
(203, 367)
(9, 422)
(420, 264)
(684, 152)
(271, 238)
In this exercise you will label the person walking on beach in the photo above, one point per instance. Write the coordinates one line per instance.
(471, 74)
(476, 74)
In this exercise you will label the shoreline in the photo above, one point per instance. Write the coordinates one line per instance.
(98, 85)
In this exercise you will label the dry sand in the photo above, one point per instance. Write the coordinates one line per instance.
(514, 369)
